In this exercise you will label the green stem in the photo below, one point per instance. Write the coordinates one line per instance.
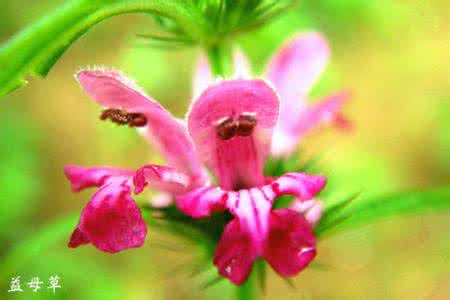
(249, 290)
(220, 60)
(38, 47)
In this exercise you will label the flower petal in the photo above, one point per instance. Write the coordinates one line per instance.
(238, 160)
(252, 208)
(244, 237)
(203, 77)
(256, 229)
(161, 178)
(311, 209)
(82, 177)
(112, 90)
(111, 220)
(78, 238)
(234, 255)
(327, 111)
(291, 245)
(202, 201)
(293, 70)
(301, 185)
(162, 200)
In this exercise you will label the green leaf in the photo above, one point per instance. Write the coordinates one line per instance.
(346, 215)
(36, 243)
(36, 49)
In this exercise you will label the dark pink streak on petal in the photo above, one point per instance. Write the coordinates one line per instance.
(291, 245)
(112, 220)
(301, 185)
(257, 231)
(252, 210)
(113, 90)
(237, 162)
(82, 177)
(201, 202)
(161, 178)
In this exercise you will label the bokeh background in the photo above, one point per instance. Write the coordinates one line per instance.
(392, 55)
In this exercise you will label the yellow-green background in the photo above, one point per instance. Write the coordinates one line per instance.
(393, 55)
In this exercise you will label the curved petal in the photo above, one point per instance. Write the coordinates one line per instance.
(161, 178)
(113, 90)
(111, 221)
(311, 209)
(236, 160)
(327, 111)
(203, 77)
(250, 204)
(82, 177)
(291, 245)
(293, 70)
(201, 202)
(301, 185)
(234, 255)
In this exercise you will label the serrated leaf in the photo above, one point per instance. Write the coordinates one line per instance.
(368, 211)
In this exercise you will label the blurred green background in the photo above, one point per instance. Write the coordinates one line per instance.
(392, 55)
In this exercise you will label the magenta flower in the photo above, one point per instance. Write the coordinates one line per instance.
(232, 127)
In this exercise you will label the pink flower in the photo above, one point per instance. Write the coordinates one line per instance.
(231, 124)
(232, 127)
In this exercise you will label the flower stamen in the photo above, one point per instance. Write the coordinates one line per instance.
(226, 128)
(246, 124)
(122, 117)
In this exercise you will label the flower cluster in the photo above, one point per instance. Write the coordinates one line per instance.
(231, 129)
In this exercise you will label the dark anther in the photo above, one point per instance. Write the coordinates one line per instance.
(226, 129)
(121, 117)
(245, 125)
(137, 120)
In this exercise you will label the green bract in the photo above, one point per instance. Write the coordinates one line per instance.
(351, 212)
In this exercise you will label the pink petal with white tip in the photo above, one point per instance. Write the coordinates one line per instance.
(237, 161)
(301, 185)
(113, 90)
(311, 209)
(256, 229)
